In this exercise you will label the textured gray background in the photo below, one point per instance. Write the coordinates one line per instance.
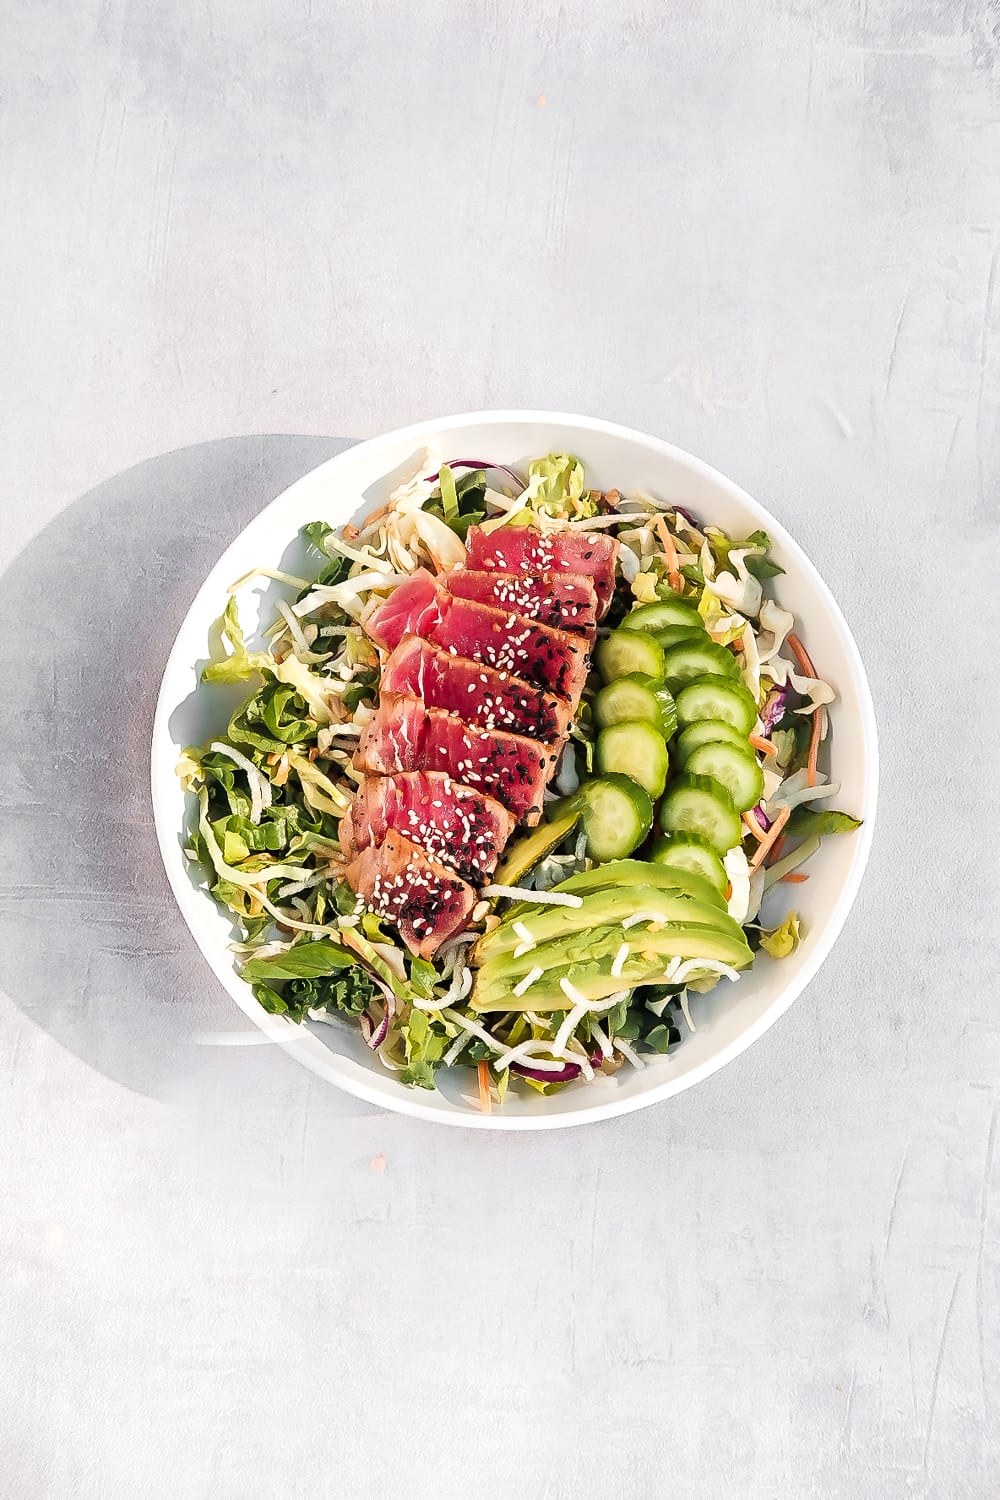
(769, 232)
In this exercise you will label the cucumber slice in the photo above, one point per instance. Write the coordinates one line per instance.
(736, 768)
(636, 697)
(678, 635)
(717, 698)
(635, 748)
(665, 612)
(705, 732)
(527, 852)
(688, 851)
(692, 659)
(617, 816)
(625, 652)
(697, 804)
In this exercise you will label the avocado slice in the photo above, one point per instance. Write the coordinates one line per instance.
(609, 907)
(527, 852)
(632, 872)
(586, 960)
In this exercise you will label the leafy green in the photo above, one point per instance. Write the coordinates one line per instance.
(556, 487)
(242, 663)
(363, 687)
(426, 1044)
(423, 977)
(662, 1038)
(762, 568)
(275, 717)
(460, 502)
(808, 822)
(449, 494)
(460, 525)
(758, 564)
(791, 741)
(304, 961)
(315, 976)
(784, 939)
(337, 567)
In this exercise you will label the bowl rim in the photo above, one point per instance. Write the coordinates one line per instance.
(408, 1101)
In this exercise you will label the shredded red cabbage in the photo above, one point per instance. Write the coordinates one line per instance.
(689, 518)
(477, 463)
(774, 708)
(565, 1074)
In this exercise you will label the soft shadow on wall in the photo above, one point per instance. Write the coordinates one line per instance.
(92, 947)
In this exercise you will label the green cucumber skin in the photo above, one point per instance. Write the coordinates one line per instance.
(626, 652)
(691, 853)
(734, 768)
(684, 663)
(678, 635)
(713, 697)
(704, 732)
(697, 804)
(635, 748)
(616, 797)
(635, 696)
(663, 613)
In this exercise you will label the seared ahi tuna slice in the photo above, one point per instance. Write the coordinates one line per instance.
(476, 693)
(426, 901)
(566, 600)
(522, 549)
(552, 660)
(456, 824)
(406, 736)
(413, 608)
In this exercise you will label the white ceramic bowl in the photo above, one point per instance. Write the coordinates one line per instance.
(730, 1017)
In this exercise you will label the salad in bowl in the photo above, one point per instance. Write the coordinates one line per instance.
(519, 766)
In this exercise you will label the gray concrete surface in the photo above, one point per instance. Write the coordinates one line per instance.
(768, 231)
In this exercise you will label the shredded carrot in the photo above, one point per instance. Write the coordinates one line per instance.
(729, 889)
(805, 662)
(814, 739)
(802, 656)
(779, 844)
(771, 838)
(795, 878)
(670, 553)
(754, 827)
(485, 1098)
(764, 746)
(373, 515)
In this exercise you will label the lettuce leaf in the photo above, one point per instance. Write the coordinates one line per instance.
(556, 487)
(337, 566)
(784, 939)
(242, 663)
(275, 717)
(314, 976)
(425, 1044)
(449, 494)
